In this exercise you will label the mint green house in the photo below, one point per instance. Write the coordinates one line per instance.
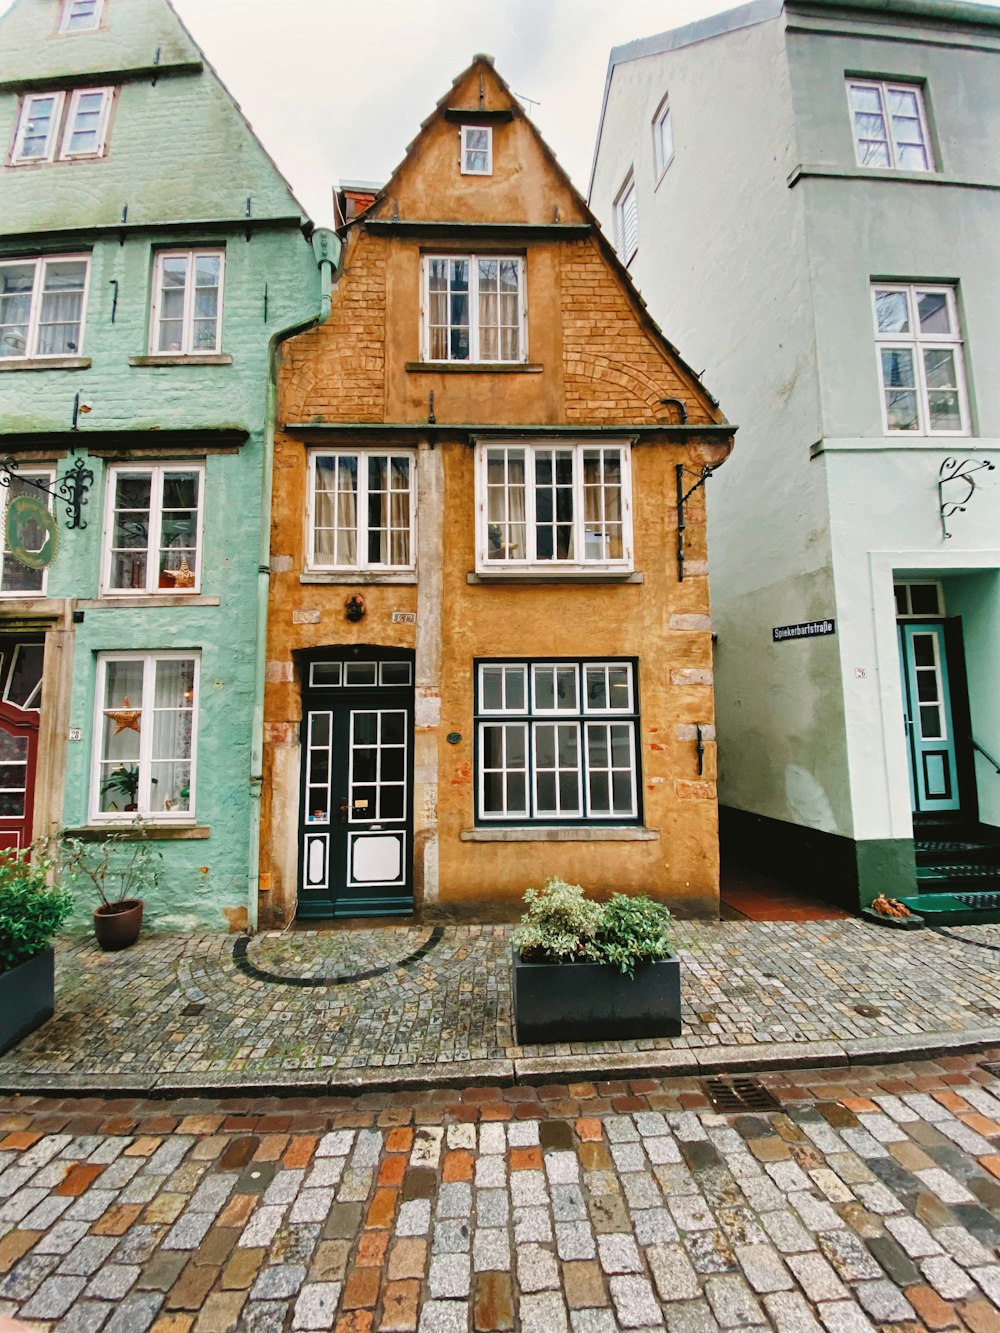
(151, 259)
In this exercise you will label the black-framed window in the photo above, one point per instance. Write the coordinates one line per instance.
(557, 741)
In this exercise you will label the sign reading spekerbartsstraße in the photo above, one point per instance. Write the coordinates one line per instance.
(812, 629)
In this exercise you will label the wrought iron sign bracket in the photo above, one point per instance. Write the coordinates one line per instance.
(70, 489)
(954, 469)
(682, 499)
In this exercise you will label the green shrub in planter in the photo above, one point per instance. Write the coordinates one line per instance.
(632, 930)
(32, 911)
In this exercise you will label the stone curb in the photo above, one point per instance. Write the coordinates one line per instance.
(525, 1070)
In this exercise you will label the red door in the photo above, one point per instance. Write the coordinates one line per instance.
(18, 758)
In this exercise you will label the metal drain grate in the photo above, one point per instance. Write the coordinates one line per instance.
(927, 845)
(983, 902)
(739, 1094)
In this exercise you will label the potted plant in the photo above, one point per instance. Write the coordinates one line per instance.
(124, 781)
(588, 971)
(32, 911)
(121, 867)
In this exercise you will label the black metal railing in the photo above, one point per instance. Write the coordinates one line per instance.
(985, 753)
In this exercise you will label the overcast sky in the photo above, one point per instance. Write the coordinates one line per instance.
(336, 89)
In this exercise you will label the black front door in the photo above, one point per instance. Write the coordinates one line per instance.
(356, 849)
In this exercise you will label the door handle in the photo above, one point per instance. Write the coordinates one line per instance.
(342, 809)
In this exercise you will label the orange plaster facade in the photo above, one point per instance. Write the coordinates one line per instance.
(594, 359)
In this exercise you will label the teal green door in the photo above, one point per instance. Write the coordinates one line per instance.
(929, 724)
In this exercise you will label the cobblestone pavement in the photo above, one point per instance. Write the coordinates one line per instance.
(181, 1012)
(871, 1203)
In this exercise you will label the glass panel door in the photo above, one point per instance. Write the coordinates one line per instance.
(929, 726)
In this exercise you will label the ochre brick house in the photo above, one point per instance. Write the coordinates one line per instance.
(483, 665)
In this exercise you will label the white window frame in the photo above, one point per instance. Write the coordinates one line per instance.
(625, 199)
(884, 87)
(66, 17)
(918, 343)
(157, 473)
(41, 263)
(475, 356)
(144, 811)
(66, 105)
(190, 253)
(532, 564)
(362, 564)
(528, 721)
(466, 169)
(43, 473)
(663, 138)
(24, 115)
(102, 135)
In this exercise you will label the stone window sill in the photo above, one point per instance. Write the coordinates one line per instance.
(152, 599)
(561, 833)
(527, 576)
(148, 833)
(346, 576)
(47, 363)
(473, 367)
(216, 359)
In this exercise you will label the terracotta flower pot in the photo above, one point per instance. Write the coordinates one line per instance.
(117, 926)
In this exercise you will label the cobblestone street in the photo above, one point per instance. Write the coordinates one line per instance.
(338, 1009)
(869, 1200)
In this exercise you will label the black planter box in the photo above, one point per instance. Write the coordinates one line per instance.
(27, 998)
(560, 1002)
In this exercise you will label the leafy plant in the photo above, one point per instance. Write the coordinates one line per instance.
(33, 908)
(561, 925)
(124, 781)
(122, 865)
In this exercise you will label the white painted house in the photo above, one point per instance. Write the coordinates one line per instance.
(808, 196)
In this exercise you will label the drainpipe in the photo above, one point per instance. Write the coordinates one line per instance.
(326, 248)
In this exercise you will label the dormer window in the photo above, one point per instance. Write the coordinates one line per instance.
(62, 125)
(80, 15)
(477, 150)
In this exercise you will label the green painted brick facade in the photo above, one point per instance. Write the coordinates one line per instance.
(184, 162)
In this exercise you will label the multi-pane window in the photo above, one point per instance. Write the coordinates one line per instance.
(557, 741)
(41, 306)
(153, 531)
(562, 505)
(627, 220)
(17, 580)
(919, 599)
(187, 302)
(663, 138)
(62, 125)
(80, 15)
(920, 359)
(474, 308)
(361, 511)
(144, 753)
(890, 125)
(477, 150)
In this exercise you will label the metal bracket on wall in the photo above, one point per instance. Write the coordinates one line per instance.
(954, 469)
(682, 499)
(701, 750)
(71, 488)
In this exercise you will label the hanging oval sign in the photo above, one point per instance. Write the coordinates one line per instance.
(32, 536)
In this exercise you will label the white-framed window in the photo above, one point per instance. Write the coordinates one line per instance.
(918, 599)
(921, 368)
(17, 580)
(557, 741)
(663, 138)
(477, 150)
(145, 737)
(474, 308)
(546, 505)
(627, 220)
(42, 302)
(890, 125)
(361, 510)
(80, 15)
(187, 302)
(62, 125)
(153, 529)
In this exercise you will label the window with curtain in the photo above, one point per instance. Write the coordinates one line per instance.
(152, 540)
(474, 308)
(554, 505)
(144, 760)
(361, 510)
(557, 741)
(42, 306)
(17, 580)
(187, 302)
(63, 124)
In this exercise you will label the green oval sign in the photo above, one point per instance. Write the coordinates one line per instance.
(31, 533)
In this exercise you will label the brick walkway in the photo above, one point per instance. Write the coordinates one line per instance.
(869, 1200)
(178, 1013)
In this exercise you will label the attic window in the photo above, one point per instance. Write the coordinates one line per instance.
(477, 150)
(80, 15)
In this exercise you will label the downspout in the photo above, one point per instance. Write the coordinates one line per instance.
(326, 248)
